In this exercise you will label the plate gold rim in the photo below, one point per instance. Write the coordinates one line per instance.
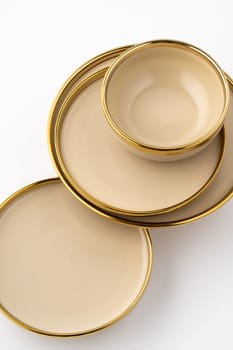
(24, 325)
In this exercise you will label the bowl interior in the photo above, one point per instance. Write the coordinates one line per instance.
(165, 96)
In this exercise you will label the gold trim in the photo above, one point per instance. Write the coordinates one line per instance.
(146, 232)
(151, 148)
(56, 154)
(80, 72)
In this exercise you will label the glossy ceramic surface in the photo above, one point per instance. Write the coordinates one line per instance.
(64, 270)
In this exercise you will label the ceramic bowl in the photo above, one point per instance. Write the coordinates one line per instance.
(166, 100)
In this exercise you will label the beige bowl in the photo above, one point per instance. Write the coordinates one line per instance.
(165, 99)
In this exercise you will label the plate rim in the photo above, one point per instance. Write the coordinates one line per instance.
(146, 232)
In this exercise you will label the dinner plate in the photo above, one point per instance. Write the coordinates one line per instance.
(93, 164)
(218, 193)
(64, 270)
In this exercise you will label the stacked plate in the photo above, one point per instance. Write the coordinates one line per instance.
(140, 135)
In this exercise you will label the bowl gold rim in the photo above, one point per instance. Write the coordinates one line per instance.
(152, 149)
(24, 325)
(75, 188)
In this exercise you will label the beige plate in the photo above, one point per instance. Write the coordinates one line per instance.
(218, 193)
(93, 164)
(64, 270)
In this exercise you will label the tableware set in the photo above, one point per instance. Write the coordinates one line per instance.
(141, 135)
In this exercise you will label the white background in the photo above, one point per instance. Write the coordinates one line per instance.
(189, 302)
